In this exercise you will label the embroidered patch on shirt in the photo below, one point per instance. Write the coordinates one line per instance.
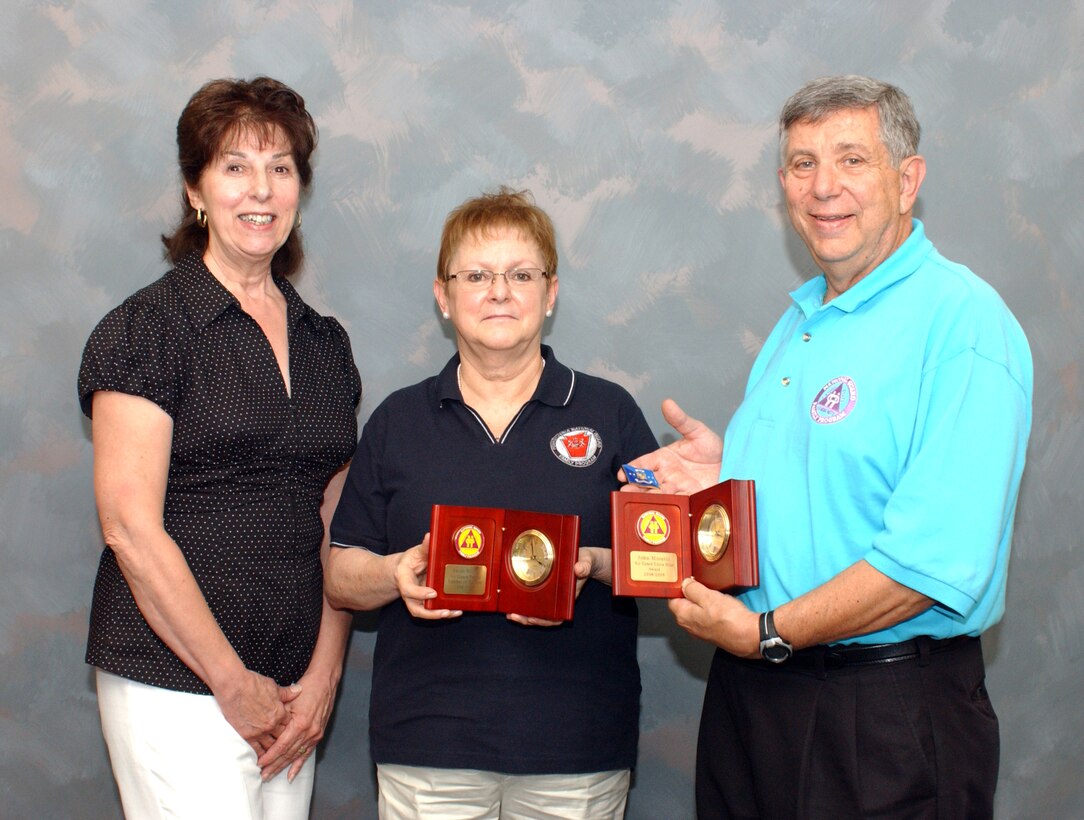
(835, 401)
(578, 446)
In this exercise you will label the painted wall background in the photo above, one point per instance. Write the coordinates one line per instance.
(646, 129)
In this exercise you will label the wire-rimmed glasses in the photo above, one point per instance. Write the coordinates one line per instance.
(482, 279)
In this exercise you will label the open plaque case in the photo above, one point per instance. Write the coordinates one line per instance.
(660, 539)
(485, 559)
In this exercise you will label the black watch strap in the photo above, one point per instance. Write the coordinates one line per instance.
(772, 647)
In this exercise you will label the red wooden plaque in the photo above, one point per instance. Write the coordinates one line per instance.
(485, 559)
(660, 539)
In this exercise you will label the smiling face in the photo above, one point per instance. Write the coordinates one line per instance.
(499, 318)
(250, 193)
(847, 202)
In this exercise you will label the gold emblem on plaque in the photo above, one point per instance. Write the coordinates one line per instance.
(532, 557)
(468, 541)
(713, 532)
(653, 527)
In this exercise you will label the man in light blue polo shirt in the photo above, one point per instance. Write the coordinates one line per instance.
(885, 424)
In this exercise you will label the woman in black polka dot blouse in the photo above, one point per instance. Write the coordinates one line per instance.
(223, 411)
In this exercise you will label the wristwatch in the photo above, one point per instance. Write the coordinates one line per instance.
(772, 647)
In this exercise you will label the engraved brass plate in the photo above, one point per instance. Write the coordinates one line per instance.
(660, 567)
(464, 579)
(713, 533)
(532, 557)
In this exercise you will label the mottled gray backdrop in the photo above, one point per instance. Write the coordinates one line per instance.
(647, 130)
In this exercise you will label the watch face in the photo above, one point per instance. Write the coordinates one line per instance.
(531, 557)
(713, 533)
(775, 650)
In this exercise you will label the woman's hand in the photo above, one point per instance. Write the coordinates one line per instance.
(591, 562)
(687, 465)
(252, 704)
(410, 573)
(308, 703)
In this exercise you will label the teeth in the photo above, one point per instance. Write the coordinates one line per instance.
(257, 219)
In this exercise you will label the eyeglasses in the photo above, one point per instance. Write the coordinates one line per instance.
(482, 279)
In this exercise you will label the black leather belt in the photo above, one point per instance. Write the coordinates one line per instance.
(838, 655)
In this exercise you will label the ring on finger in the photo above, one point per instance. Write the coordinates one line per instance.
(301, 750)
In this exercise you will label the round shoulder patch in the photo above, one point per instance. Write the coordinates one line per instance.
(835, 401)
(577, 446)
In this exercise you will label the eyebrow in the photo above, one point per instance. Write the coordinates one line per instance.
(839, 147)
(235, 153)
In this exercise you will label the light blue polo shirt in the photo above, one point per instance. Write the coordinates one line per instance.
(889, 425)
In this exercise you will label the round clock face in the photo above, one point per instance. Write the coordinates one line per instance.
(713, 532)
(531, 557)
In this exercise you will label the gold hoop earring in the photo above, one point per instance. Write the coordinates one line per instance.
(298, 220)
(201, 217)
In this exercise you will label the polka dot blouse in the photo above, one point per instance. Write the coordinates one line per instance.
(247, 471)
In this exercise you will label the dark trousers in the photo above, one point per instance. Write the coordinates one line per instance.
(914, 738)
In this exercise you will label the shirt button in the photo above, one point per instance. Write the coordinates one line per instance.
(806, 337)
(786, 380)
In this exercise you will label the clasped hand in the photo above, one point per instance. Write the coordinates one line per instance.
(282, 724)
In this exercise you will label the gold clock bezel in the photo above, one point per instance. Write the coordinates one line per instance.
(713, 533)
(518, 555)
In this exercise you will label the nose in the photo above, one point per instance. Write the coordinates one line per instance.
(825, 183)
(498, 287)
(261, 184)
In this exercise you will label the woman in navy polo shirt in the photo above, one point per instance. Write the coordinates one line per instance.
(481, 714)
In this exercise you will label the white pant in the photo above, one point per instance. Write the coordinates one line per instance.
(175, 756)
(418, 793)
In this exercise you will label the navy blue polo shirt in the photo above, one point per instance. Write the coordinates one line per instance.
(479, 691)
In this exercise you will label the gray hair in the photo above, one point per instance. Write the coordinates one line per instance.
(819, 99)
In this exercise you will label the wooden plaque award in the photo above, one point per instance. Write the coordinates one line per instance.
(660, 539)
(485, 559)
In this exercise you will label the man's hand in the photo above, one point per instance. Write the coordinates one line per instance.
(717, 617)
(687, 465)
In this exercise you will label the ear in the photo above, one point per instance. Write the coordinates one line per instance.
(782, 179)
(194, 198)
(440, 293)
(551, 292)
(912, 172)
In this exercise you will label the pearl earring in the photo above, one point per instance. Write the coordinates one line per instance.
(446, 315)
(549, 312)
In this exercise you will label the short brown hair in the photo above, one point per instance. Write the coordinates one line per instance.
(221, 112)
(482, 215)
